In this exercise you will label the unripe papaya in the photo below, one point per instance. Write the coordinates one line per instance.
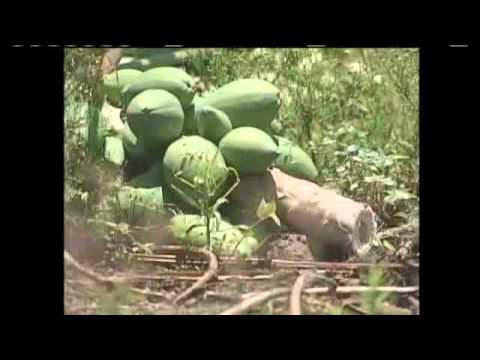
(194, 159)
(156, 118)
(294, 161)
(181, 90)
(212, 124)
(249, 150)
(133, 147)
(169, 73)
(225, 238)
(116, 81)
(247, 102)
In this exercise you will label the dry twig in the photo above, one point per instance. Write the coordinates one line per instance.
(255, 299)
(362, 289)
(209, 274)
(109, 283)
(296, 294)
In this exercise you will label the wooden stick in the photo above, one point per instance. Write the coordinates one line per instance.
(108, 283)
(362, 289)
(252, 299)
(255, 299)
(209, 274)
(196, 278)
(296, 294)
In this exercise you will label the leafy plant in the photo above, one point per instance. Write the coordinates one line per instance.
(205, 188)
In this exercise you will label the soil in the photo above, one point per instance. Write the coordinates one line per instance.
(232, 285)
(287, 246)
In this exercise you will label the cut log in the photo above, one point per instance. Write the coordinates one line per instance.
(336, 227)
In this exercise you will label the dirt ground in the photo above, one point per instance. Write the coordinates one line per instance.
(271, 286)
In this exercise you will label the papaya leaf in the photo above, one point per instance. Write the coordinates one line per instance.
(266, 210)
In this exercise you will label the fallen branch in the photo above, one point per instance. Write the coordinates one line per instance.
(147, 277)
(296, 294)
(255, 299)
(109, 283)
(363, 289)
(341, 290)
(209, 274)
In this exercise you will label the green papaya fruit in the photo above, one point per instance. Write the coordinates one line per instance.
(155, 117)
(133, 147)
(226, 239)
(212, 124)
(294, 161)
(249, 150)
(247, 102)
(169, 73)
(150, 61)
(180, 89)
(116, 81)
(194, 159)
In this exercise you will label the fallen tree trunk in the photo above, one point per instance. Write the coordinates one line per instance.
(336, 227)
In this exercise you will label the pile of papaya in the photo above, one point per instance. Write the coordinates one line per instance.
(156, 117)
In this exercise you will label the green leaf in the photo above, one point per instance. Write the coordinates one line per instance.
(266, 210)
(396, 195)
